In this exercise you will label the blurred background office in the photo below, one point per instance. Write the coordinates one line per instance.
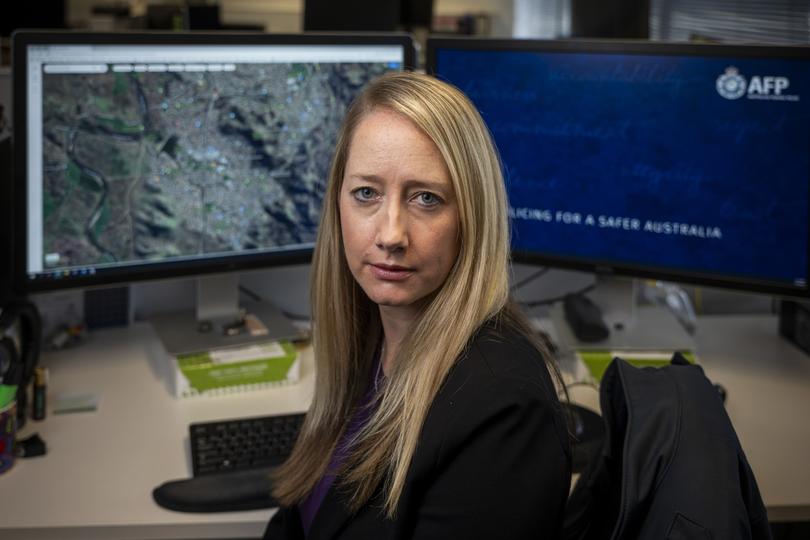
(722, 21)
(729, 21)
(714, 21)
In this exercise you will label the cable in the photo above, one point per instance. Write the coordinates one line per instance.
(256, 298)
(529, 279)
(250, 294)
(554, 300)
(296, 316)
(589, 384)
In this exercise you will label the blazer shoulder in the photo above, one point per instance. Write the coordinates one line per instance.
(499, 373)
(498, 356)
(498, 398)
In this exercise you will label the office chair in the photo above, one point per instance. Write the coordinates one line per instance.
(669, 464)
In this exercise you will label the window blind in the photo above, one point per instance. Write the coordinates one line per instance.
(731, 21)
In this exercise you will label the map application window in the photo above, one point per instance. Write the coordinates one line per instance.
(145, 154)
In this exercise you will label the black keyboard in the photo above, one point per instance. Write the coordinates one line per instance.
(242, 444)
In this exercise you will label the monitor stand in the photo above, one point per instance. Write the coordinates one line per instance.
(632, 326)
(219, 322)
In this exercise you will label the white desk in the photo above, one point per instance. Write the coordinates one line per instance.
(768, 384)
(101, 467)
(97, 478)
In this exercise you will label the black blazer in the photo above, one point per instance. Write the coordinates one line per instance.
(492, 462)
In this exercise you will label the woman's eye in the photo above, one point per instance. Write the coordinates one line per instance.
(363, 194)
(428, 199)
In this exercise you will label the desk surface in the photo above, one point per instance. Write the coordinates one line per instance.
(101, 467)
(97, 478)
(768, 384)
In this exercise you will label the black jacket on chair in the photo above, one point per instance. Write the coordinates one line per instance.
(671, 468)
(492, 462)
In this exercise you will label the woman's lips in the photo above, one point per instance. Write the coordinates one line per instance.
(390, 272)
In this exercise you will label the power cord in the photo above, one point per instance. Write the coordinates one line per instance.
(525, 281)
(589, 384)
(257, 298)
(250, 294)
(555, 299)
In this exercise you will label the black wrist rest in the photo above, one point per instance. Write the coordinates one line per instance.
(225, 492)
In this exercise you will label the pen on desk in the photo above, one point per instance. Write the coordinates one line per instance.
(40, 388)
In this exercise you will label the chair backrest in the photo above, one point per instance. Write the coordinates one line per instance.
(669, 460)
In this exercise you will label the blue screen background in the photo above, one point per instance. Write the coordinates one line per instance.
(648, 138)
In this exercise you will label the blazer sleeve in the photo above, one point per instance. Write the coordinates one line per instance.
(503, 470)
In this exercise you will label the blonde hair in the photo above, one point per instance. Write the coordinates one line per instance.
(346, 325)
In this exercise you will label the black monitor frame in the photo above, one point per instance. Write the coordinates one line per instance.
(607, 268)
(19, 207)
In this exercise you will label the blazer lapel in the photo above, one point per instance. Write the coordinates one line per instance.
(330, 518)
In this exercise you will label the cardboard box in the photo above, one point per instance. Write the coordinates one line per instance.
(238, 369)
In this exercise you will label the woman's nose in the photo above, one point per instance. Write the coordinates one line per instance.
(392, 228)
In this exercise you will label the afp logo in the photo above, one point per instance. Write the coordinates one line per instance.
(732, 85)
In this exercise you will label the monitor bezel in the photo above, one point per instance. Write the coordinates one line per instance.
(23, 39)
(602, 267)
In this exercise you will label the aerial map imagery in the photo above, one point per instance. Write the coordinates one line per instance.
(147, 166)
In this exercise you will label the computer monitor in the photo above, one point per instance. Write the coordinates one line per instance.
(678, 162)
(351, 15)
(416, 13)
(367, 15)
(155, 155)
(34, 15)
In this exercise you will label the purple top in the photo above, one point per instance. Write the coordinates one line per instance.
(309, 508)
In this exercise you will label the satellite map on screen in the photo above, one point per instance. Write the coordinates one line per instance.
(145, 166)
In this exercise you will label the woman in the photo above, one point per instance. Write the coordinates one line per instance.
(434, 415)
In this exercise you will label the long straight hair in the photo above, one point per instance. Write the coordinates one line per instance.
(346, 324)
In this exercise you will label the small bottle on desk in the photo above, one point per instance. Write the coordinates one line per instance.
(40, 388)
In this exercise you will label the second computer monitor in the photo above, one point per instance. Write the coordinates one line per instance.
(679, 162)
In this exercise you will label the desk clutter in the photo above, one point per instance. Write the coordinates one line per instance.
(8, 422)
(20, 335)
